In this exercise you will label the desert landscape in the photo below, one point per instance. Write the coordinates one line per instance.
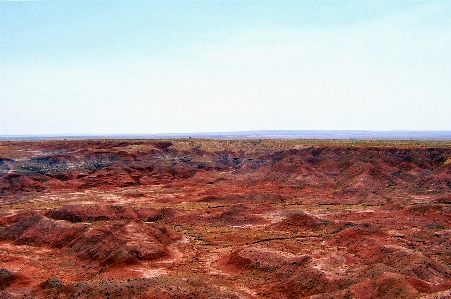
(203, 218)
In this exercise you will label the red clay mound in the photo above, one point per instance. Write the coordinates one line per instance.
(145, 212)
(264, 260)
(362, 176)
(312, 177)
(83, 213)
(109, 177)
(182, 170)
(309, 281)
(299, 220)
(14, 182)
(288, 275)
(124, 243)
(38, 230)
(412, 263)
(108, 244)
(10, 218)
(390, 285)
(363, 240)
(238, 215)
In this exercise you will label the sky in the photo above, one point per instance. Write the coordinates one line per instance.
(147, 67)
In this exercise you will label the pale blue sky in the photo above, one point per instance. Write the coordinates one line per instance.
(88, 67)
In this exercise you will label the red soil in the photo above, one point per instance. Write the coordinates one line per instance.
(224, 219)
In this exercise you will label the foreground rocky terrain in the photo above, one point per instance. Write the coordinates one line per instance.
(199, 218)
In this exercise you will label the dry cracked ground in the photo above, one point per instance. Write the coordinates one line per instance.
(197, 218)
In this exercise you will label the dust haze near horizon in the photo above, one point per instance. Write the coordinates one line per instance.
(126, 67)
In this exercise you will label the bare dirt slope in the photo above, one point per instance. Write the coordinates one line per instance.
(199, 218)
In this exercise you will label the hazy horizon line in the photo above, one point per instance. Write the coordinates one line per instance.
(265, 134)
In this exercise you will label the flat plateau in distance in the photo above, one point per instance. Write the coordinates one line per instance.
(265, 134)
